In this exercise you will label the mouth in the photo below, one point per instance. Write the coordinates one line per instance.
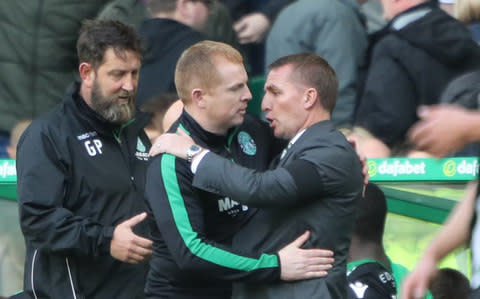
(122, 100)
(271, 121)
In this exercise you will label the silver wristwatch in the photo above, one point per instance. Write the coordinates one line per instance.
(192, 151)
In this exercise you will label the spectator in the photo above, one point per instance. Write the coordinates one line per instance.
(157, 107)
(450, 283)
(315, 185)
(37, 56)
(172, 114)
(130, 12)
(415, 57)
(15, 135)
(194, 228)
(252, 21)
(370, 272)
(12, 247)
(81, 172)
(333, 29)
(174, 26)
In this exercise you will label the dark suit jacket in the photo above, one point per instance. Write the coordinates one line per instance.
(314, 186)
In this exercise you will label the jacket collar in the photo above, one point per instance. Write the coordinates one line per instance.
(201, 136)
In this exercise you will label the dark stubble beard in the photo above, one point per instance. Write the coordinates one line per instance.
(109, 107)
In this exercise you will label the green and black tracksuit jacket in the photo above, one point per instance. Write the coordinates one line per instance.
(192, 229)
(370, 279)
(78, 177)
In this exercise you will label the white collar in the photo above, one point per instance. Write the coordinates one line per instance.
(295, 138)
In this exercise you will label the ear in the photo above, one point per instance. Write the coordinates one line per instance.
(198, 98)
(310, 98)
(87, 73)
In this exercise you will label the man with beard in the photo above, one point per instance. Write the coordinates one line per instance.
(81, 170)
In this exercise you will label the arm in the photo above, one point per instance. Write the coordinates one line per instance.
(253, 27)
(48, 225)
(299, 180)
(42, 185)
(179, 215)
(273, 7)
(454, 233)
(280, 186)
(445, 128)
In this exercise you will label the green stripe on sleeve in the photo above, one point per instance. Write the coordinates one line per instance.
(190, 238)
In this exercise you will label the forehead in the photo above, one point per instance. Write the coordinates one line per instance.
(279, 76)
(126, 59)
(230, 71)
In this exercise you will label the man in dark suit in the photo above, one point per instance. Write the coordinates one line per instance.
(313, 185)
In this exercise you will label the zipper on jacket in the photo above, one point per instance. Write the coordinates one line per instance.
(70, 277)
(31, 273)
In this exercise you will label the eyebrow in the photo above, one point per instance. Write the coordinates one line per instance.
(271, 87)
(236, 86)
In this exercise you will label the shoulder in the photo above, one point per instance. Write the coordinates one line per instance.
(50, 124)
(371, 280)
(167, 168)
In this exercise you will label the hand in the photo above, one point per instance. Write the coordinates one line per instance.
(126, 246)
(441, 129)
(174, 144)
(298, 263)
(371, 146)
(251, 28)
(363, 161)
(416, 283)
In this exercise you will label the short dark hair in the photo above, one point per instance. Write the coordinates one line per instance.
(370, 215)
(312, 70)
(449, 283)
(96, 36)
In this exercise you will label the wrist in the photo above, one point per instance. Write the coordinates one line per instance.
(193, 151)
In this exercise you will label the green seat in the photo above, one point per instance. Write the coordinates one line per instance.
(256, 87)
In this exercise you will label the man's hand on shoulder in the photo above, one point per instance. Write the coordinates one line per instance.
(126, 246)
(174, 144)
(297, 263)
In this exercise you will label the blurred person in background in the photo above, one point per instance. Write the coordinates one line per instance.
(332, 29)
(12, 246)
(174, 26)
(37, 56)
(411, 61)
(441, 130)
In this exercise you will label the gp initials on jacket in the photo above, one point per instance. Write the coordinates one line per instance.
(226, 204)
(93, 147)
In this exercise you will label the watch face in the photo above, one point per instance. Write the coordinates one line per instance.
(194, 148)
(192, 151)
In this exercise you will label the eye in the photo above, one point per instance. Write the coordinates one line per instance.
(117, 75)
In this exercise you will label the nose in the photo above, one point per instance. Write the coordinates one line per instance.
(129, 83)
(247, 95)
(266, 103)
